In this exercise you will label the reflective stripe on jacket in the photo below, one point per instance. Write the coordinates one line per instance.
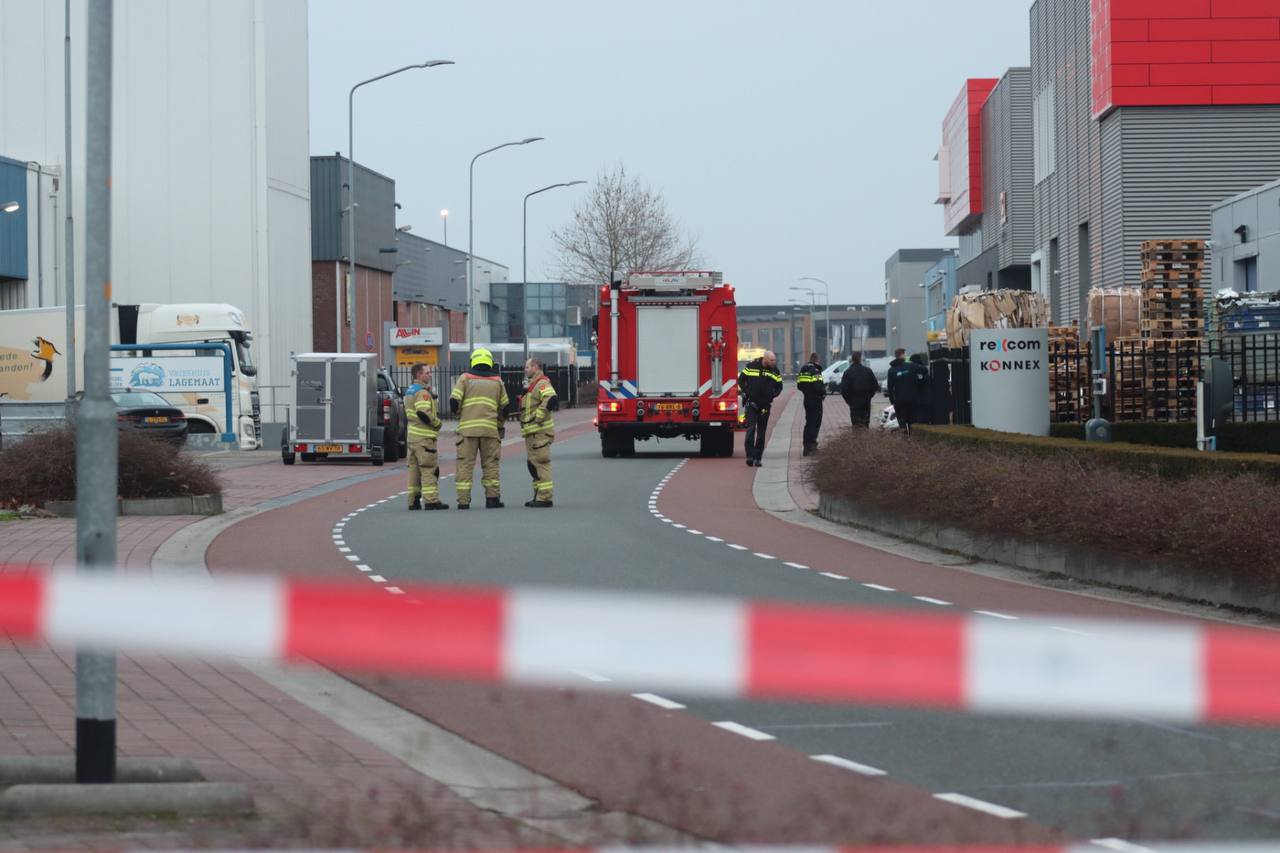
(422, 402)
(809, 381)
(482, 404)
(759, 384)
(535, 417)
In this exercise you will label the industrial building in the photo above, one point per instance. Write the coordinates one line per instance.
(940, 287)
(904, 297)
(210, 184)
(1246, 241)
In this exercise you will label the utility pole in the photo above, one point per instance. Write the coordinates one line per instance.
(70, 237)
(97, 445)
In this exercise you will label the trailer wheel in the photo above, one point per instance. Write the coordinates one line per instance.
(375, 456)
(288, 458)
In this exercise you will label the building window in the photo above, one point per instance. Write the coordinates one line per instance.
(1043, 134)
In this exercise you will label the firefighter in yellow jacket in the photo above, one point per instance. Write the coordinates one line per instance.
(480, 401)
(423, 430)
(539, 430)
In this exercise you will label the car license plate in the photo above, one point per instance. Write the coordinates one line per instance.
(668, 407)
(328, 448)
(157, 419)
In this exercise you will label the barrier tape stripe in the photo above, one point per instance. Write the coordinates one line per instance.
(699, 646)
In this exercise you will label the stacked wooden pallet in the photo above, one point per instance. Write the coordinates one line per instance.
(1070, 386)
(1172, 325)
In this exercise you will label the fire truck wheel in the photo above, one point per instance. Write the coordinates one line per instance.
(608, 449)
(627, 446)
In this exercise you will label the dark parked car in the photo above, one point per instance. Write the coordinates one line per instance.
(391, 417)
(149, 413)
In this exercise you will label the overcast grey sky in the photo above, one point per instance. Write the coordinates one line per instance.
(795, 139)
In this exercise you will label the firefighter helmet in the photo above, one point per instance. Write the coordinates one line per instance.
(481, 356)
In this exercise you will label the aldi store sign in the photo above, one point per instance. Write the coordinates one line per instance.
(1009, 379)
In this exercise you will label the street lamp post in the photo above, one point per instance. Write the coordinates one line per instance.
(471, 222)
(351, 192)
(444, 219)
(813, 307)
(826, 290)
(524, 260)
(797, 301)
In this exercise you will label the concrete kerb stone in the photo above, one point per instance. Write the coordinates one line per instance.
(127, 798)
(40, 770)
(184, 505)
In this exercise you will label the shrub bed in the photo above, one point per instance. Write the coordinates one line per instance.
(42, 467)
(1172, 462)
(1249, 437)
(1217, 522)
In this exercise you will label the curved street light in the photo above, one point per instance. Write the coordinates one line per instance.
(10, 207)
(351, 192)
(471, 219)
(524, 261)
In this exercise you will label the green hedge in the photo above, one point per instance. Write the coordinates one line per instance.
(1170, 462)
(1251, 437)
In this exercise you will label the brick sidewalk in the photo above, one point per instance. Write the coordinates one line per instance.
(315, 783)
(835, 419)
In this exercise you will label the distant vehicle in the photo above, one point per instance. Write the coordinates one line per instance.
(880, 367)
(832, 375)
(667, 348)
(391, 411)
(149, 413)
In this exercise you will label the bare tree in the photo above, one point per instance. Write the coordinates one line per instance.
(620, 227)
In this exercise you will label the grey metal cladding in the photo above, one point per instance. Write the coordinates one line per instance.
(433, 274)
(1072, 195)
(1178, 162)
(375, 214)
(1008, 170)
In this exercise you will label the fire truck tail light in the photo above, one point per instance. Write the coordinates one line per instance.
(727, 406)
(611, 406)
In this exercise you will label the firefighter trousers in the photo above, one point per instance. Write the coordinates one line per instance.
(538, 449)
(424, 471)
(489, 449)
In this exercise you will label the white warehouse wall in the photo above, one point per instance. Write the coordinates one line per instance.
(210, 155)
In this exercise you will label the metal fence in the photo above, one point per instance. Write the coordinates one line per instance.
(572, 384)
(1147, 380)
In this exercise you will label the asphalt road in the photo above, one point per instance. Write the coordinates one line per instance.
(662, 755)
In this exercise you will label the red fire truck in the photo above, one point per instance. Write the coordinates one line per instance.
(666, 351)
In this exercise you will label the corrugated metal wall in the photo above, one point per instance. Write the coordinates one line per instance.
(1176, 163)
(1008, 169)
(1072, 194)
(375, 215)
(433, 273)
(1259, 213)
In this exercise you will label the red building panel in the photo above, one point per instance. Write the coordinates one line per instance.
(962, 150)
(1179, 52)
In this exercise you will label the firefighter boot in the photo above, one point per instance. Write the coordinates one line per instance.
(493, 503)
(538, 504)
(437, 505)
(416, 503)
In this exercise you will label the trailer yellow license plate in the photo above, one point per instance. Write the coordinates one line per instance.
(157, 419)
(328, 448)
(668, 407)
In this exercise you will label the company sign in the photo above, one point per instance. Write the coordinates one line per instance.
(172, 375)
(416, 336)
(1009, 379)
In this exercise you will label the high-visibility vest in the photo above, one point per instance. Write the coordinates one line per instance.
(422, 402)
(482, 404)
(535, 417)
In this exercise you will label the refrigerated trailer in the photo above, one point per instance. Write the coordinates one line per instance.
(666, 348)
(336, 409)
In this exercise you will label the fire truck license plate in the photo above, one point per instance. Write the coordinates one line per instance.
(668, 407)
(328, 448)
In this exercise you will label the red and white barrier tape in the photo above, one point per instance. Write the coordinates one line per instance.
(695, 646)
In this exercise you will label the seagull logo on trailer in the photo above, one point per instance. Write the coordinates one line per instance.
(1013, 354)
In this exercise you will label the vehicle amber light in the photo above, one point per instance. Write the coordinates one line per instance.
(726, 406)
(609, 407)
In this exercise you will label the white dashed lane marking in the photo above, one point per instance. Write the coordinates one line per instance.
(980, 805)
(927, 600)
(996, 615)
(833, 576)
(878, 588)
(655, 699)
(745, 731)
(837, 761)
(591, 676)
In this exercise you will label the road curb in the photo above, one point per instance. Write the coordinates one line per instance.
(41, 770)
(184, 505)
(138, 798)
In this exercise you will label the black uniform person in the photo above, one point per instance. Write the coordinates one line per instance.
(809, 381)
(758, 384)
(905, 382)
(858, 386)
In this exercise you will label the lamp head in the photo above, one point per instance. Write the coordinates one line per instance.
(432, 63)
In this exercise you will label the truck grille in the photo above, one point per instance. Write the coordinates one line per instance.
(257, 415)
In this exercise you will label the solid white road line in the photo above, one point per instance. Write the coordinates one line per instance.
(655, 699)
(833, 576)
(927, 600)
(879, 588)
(754, 734)
(796, 565)
(590, 676)
(980, 805)
(995, 615)
(837, 761)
